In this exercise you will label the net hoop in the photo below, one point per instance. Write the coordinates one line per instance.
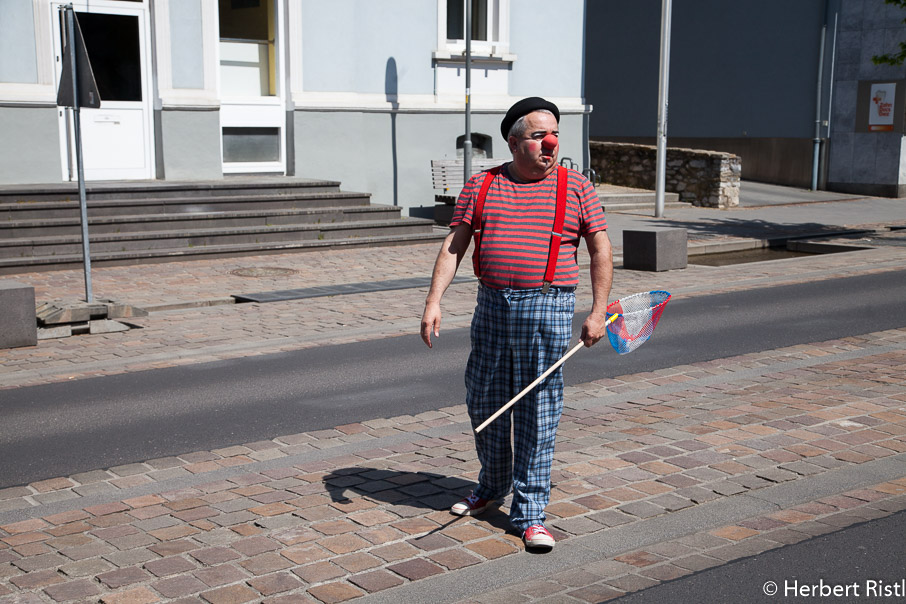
(637, 316)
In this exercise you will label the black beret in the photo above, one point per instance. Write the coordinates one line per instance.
(524, 107)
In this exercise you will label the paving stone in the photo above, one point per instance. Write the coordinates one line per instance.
(642, 509)
(375, 581)
(169, 566)
(742, 549)
(255, 545)
(577, 526)
(306, 554)
(595, 593)
(640, 558)
(493, 548)
(220, 575)
(611, 518)
(79, 589)
(265, 563)
(331, 593)
(630, 583)
(177, 587)
(319, 572)
(139, 595)
(37, 580)
(233, 594)
(664, 572)
(697, 562)
(415, 569)
(85, 568)
(123, 577)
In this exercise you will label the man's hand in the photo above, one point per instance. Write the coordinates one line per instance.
(448, 259)
(430, 322)
(594, 328)
(601, 254)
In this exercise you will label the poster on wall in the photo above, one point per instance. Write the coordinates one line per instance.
(880, 109)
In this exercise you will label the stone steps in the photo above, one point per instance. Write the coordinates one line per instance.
(40, 227)
(41, 210)
(18, 265)
(194, 220)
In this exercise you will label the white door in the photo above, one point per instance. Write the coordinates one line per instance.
(252, 107)
(116, 138)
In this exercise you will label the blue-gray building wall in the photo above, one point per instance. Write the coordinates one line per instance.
(186, 44)
(547, 37)
(18, 58)
(347, 48)
(384, 47)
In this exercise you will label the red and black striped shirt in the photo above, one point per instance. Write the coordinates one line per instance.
(518, 218)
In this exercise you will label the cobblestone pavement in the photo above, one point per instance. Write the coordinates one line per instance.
(656, 475)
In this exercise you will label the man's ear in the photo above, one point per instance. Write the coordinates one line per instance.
(512, 141)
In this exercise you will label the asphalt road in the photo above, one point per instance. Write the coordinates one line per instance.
(863, 563)
(65, 428)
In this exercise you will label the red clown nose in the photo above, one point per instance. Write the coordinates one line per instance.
(549, 142)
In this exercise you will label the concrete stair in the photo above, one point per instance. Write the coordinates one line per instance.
(130, 223)
(623, 199)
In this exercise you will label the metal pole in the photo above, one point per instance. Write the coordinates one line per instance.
(816, 152)
(467, 141)
(77, 126)
(664, 76)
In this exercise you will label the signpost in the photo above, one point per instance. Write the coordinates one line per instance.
(78, 89)
(467, 141)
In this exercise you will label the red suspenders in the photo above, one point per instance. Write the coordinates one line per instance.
(556, 232)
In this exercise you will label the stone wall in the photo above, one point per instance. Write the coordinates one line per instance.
(702, 178)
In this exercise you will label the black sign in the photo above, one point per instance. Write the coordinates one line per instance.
(88, 89)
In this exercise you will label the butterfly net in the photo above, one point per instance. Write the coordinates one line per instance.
(637, 315)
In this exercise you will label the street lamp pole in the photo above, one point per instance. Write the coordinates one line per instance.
(664, 77)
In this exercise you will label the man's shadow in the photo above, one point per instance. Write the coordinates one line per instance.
(409, 494)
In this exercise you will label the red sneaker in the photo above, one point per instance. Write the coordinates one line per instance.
(471, 506)
(538, 536)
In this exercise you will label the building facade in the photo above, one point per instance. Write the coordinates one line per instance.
(762, 79)
(366, 92)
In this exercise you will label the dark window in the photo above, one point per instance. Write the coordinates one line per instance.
(251, 144)
(112, 42)
(456, 16)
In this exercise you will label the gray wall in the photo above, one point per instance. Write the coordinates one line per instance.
(18, 59)
(186, 47)
(549, 58)
(398, 172)
(30, 152)
(743, 68)
(190, 142)
(347, 47)
(865, 162)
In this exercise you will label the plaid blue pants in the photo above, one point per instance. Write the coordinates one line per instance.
(516, 336)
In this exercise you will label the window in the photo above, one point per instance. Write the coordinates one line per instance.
(489, 27)
(456, 16)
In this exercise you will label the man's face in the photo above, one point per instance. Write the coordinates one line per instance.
(532, 160)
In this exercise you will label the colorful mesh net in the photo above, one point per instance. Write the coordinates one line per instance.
(637, 315)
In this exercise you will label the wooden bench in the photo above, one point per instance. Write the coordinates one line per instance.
(446, 175)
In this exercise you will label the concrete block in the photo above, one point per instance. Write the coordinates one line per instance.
(655, 249)
(50, 333)
(106, 326)
(18, 325)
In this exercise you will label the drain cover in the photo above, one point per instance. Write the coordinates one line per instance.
(263, 271)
